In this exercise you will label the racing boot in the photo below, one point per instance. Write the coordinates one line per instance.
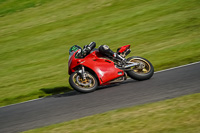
(105, 50)
(122, 61)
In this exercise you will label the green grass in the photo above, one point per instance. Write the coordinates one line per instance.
(179, 115)
(35, 36)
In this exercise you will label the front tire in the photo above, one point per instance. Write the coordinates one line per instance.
(84, 86)
(143, 71)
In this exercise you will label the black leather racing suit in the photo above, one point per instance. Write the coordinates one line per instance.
(105, 50)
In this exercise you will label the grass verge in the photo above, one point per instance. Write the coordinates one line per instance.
(178, 115)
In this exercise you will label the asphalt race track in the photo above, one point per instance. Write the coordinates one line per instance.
(42, 112)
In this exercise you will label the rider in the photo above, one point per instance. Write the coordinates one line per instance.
(103, 49)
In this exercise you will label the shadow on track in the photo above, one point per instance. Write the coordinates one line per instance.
(55, 90)
(64, 91)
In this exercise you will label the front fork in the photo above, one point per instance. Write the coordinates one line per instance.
(82, 72)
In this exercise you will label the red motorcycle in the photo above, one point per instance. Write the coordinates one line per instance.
(93, 69)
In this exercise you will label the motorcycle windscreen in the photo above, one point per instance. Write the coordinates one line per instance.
(71, 53)
(73, 49)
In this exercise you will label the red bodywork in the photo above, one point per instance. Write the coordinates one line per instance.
(104, 68)
(124, 48)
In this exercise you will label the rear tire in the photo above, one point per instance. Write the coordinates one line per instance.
(84, 86)
(143, 72)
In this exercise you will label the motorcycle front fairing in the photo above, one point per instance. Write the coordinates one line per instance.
(104, 68)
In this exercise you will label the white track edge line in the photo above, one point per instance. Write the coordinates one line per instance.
(154, 72)
(178, 67)
(22, 102)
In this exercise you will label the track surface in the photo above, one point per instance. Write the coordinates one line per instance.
(60, 108)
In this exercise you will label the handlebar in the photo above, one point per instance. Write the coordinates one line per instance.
(88, 48)
(92, 45)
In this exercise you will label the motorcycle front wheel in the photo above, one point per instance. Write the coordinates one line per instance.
(84, 86)
(143, 71)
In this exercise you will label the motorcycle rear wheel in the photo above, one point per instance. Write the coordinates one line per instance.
(84, 86)
(142, 72)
